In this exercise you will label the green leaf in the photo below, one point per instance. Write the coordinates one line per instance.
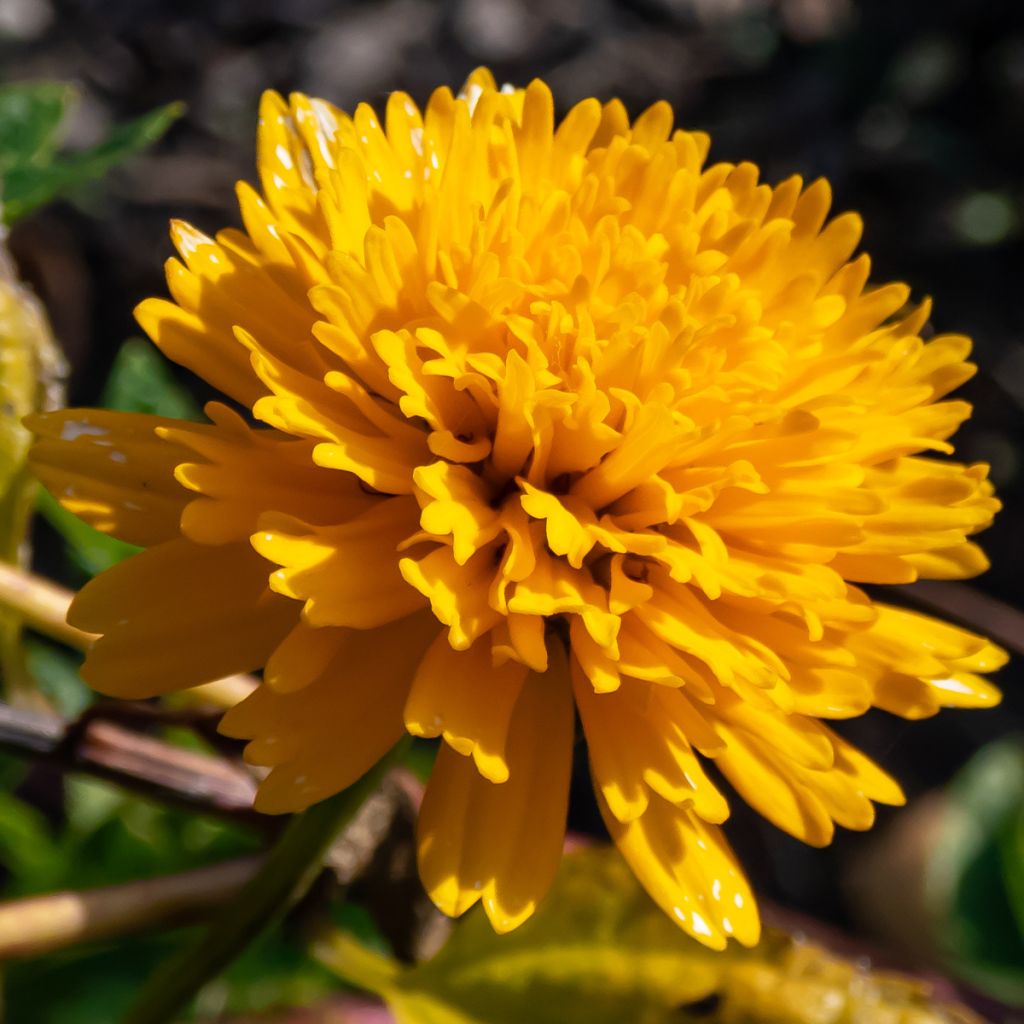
(29, 853)
(96, 984)
(420, 759)
(598, 950)
(141, 380)
(28, 185)
(274, 972)
(289, 870)
(55, 671)
(30, 117)
(976, 872)
(1012, 850)
(82, 986)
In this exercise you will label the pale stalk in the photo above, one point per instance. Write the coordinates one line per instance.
(38, 925)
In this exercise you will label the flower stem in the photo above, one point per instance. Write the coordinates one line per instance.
(36, 925)
(41, 604)
(285, 876)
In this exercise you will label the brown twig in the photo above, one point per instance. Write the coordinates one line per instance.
(141, 763)
(31, 927)
(41, 924)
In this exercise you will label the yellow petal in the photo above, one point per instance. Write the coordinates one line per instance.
(218, 358)
(322, 737)
(502, 843)
(177, 615)
(689, 871)
(638, 745)
(112, 470)
(759, 775)
(464, 697)
(346, 575)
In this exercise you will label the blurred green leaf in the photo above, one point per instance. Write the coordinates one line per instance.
(420, 759)
(1012, 849)
(289, 869)
(28, 184)
(55, 671)
(30, 117)
(29, 853)
(976, 873)
(273, 973)
(141, 380)
(82, 986)
(597, 950)
(112, 837)
(96, 985)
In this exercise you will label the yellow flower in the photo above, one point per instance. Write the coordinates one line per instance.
(553, 419)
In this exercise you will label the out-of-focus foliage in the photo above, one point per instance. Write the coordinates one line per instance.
(141, 380)
(787, 982)
(109, 837)
(598, 950)
(976, 874)
(55, 672)
(32, 171)
(106, 837)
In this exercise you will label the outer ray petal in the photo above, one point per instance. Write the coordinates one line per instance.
(177, 615)
(112, 470)
(639, 746)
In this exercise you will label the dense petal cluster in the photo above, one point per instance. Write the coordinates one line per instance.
(552, 420)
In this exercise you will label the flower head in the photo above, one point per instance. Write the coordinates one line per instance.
(551, 418)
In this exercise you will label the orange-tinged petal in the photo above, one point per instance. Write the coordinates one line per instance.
(236, 473)
(112, 470)
(458, 594)
(218, 359)
(638, 746)
(302, 656)
(758, 774)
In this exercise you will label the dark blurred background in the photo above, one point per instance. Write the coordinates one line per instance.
(914, 111)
